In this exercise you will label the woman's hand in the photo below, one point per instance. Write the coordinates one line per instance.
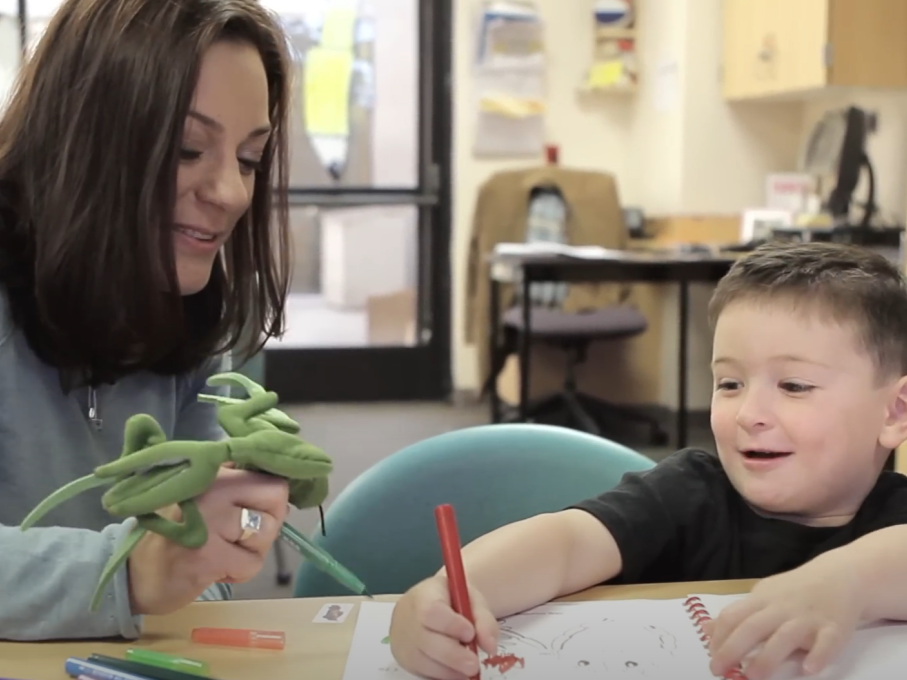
(164, 576)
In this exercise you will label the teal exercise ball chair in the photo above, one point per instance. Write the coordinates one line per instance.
(382, 526)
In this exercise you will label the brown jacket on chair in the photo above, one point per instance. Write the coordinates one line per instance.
(594, 217)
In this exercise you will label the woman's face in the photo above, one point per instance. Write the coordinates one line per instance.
(226, 131)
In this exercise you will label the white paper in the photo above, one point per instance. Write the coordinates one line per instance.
(512, 42)
(555, 248)
(509, 102)
(876, 651)
(649, 639)
(509, 32)
(788, 191)
(509, 81)
(616, 639)
(667, 85)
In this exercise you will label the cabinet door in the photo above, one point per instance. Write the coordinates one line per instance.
(800, 30)
(868, 46)
(748, 70)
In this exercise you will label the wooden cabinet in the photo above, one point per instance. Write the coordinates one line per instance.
(789, 48)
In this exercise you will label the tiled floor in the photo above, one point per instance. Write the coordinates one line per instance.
(380, 430)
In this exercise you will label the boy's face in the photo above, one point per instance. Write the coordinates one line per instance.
(801, 421)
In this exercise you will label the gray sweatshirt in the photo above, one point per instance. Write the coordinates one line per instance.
(49, 573)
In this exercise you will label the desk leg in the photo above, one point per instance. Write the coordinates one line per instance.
(494, 321)
(682, 365)
(525, 347)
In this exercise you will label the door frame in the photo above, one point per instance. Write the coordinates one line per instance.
(404, 373)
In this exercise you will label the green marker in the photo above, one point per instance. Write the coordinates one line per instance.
(321, 559)
(168, 661)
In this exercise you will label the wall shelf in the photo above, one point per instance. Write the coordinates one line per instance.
(614, 67)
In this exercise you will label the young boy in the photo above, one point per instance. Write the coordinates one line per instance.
(810, 397)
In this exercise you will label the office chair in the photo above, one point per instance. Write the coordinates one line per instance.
(382, 525)
(573, 333)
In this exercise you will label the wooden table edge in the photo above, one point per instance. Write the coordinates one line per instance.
(313, 649)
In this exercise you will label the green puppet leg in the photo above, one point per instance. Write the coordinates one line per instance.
(163, 486)
(244, 417)
(61, 495)
(235, 379)
(272, 416)
(116, 560)
(191, 532)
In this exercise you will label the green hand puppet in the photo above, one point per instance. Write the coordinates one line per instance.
(153, 473)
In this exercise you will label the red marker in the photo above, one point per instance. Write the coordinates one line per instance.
(453, 563)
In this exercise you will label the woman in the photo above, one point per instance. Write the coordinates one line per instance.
(138, 156)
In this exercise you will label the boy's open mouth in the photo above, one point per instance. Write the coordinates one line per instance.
(765, 455)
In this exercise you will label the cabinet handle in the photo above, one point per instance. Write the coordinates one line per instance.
(769, 48)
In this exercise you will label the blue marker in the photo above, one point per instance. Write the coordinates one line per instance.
(80, 667)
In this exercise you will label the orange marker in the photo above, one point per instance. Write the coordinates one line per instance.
(239, 637)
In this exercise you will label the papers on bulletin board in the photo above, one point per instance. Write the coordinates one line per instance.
(327, 86)
(667, 85)
(509, 81)
(338, 29)
(510, 37)
(510, 111)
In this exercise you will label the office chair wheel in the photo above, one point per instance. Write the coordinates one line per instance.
(284, 578)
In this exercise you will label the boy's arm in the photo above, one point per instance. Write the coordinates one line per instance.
(622, 532)
(879, 561)
(814, 608)
(535, 560)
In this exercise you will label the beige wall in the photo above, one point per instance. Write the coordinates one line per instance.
(689, 153)
(693, 154)
(591, 132)
(887, 148)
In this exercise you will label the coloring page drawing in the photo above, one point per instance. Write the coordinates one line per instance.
(650, 640)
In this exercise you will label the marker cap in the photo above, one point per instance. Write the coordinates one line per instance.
(168, 661)
(240, 637)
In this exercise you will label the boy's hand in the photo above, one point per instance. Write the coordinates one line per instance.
(428, 638)
(814, 609)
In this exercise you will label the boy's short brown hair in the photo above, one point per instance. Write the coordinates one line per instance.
(851, 284)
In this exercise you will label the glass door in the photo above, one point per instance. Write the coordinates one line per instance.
(368, 316)
(10, 47)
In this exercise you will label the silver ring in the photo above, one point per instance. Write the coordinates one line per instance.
(250, 522)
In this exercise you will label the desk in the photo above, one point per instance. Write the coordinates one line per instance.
(312, 651)
(628, 267)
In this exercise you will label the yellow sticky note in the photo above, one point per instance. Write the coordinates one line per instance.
(338, 28)
(325, 96)
(512, 107)
(606, 73)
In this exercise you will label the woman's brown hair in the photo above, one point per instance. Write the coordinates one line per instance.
(89, 149)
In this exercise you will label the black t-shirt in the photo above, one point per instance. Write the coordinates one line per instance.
(683, 520)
